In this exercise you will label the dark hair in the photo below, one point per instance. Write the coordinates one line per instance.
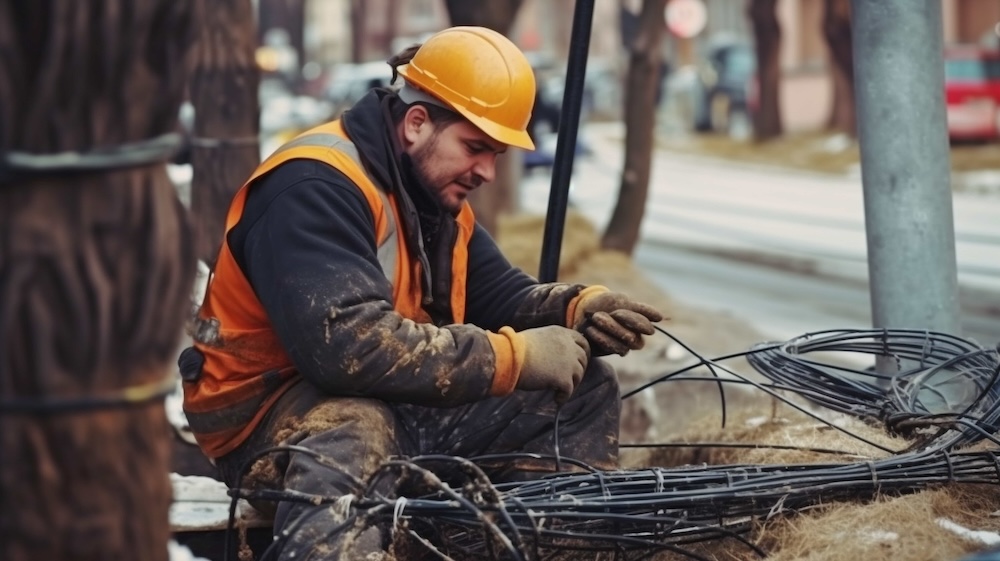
(397, 108)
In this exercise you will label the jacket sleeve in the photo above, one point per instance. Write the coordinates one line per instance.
(307, 245)
(500, 294)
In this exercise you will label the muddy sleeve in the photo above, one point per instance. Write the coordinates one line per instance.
(308, 249)
(500, 294)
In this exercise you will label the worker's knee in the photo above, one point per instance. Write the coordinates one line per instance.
(366, 417)
(358, 432)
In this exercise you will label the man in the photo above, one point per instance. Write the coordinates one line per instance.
(357, 310)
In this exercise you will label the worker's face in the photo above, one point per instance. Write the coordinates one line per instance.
(451, 160)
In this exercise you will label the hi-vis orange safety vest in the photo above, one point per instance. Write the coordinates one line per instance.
(244, 375)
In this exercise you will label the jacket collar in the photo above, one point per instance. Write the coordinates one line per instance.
(370, 131)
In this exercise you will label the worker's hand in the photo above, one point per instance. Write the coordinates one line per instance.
(614, 323)
(554, 359)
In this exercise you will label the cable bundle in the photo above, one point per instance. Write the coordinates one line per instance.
(940, 380)
(632, 513)
(945, 386)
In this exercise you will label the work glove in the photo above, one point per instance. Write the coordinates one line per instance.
(554, 359)
(614, 323)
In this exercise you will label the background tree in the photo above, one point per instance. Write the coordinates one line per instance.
(499, 197)
(95, 271)
(359, 16)
(290, 16)
(224, 95)
(837, 31)
(767, 36)
(645, 55)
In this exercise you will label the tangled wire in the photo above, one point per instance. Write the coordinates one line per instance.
(939, 389)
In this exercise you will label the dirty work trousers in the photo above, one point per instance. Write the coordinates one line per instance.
(358, 435)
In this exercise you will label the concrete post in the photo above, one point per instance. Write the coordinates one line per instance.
(905, 164)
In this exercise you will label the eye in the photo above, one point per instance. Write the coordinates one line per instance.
(474, 149)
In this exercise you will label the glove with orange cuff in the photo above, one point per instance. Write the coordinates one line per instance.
(612, 322)
(555, 358)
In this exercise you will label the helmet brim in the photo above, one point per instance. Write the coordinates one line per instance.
(500, 133)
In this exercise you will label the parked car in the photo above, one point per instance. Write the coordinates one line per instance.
(727, 80)
(972, 92)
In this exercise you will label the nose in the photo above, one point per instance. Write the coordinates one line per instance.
(485, 167)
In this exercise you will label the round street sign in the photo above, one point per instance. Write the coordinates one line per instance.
(686, 18)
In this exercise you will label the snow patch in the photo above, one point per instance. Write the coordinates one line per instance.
(980, 536)
(178, 552)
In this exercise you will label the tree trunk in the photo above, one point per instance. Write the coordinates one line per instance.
(95, 271)
(359, 25)
(837, 31)
(391, 26)
(497, 15)
(640, 96)
(498, 196)
(224, 95)
(767, 33)
(289, 15)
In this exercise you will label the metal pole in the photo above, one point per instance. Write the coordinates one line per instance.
(905, 164)
(569, 122)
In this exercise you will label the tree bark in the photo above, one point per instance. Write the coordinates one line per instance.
(499, 196)
(224, 95)
(837, 31)
(767, 32)
(95, 271)
(640, 104)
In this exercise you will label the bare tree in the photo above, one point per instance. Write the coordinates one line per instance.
(645, 54)
(289, 15)
(767, 34)
(497, 15)
(359, 16)
(837, 31)
(224, 95)
(498, 197)
(96, 266)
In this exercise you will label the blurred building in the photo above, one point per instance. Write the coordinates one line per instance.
(807, 90)
(334, 34)
(384, 26)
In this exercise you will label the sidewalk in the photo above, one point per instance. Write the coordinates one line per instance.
(789, 218)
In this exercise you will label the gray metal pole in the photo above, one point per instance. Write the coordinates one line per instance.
(905, 164)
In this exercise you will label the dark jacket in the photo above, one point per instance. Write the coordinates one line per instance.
(306, 243)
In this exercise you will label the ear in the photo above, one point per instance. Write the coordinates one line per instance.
(416, 123)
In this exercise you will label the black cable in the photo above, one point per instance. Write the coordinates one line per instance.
(658, 509)
(16, 165)
(740, 445)
(702, 360)
(131, 396)
(555, 438)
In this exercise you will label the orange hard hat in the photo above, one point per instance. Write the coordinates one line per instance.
(480, 74)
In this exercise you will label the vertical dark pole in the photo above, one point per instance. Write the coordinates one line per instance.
(905, 164)
(569, 122)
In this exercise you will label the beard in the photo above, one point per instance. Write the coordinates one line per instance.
(421, 170)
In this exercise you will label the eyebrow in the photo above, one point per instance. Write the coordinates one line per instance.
(483, 145)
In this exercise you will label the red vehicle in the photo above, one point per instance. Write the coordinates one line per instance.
(972, 92)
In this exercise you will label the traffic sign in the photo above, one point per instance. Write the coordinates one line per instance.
(686, 18)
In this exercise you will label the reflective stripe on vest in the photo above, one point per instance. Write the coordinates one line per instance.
(388, 246)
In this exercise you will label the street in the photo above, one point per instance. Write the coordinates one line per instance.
(784, 250)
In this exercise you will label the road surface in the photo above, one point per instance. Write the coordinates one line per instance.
(785, 250)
